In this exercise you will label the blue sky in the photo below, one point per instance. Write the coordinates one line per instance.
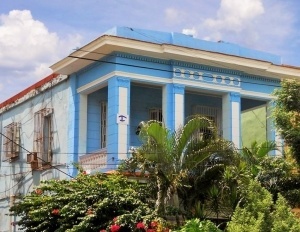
(34, 34)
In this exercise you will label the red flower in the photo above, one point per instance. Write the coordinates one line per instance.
(114, 228)
(89, 211)
(55, 211)
(140, 225)
(38, 191)
(151, 230)
(153, 224)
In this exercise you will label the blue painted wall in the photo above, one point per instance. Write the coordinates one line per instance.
(142, 99)
(190, 42)
(192, 100)
(94, 119)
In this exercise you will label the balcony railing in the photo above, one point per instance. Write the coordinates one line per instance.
(94, 160)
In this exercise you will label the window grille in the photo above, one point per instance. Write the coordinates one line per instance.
(212, 113)
(103, 124)
(11, 147)
(43, 136)
(155, 114)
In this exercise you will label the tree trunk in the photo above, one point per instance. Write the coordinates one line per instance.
(161, 194)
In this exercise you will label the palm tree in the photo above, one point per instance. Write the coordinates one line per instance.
(256, 153)
(172, 155)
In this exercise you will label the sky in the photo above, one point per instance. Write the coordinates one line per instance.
(34, 34)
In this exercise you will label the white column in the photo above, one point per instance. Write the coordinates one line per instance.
(118, 120)
(123, 125)
(82, 141)
(173, 106)
(231, 113)
(272, 134)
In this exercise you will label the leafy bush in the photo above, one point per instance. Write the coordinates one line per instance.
(258, 213)
(195, 225)
(283, 218)
(88, 203)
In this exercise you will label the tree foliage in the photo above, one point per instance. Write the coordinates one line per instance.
(172, 156)
(87, 203)
(257, 212)
(195, 225)
(287, 115)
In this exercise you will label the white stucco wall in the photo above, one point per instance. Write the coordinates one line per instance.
(17, 178)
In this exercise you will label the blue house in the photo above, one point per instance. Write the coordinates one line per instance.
(89, 109)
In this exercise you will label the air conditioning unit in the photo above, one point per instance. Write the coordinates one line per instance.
(31, 157)
(33, 160)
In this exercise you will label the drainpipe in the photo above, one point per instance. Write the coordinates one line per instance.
(12, 200)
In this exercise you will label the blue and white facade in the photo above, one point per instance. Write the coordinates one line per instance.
(126, 76)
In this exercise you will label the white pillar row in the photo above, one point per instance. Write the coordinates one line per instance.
(231, 115)
(272, 134)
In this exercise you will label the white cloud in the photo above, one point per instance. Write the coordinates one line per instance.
(27, 49)
(235, 15)
(265, 25)
(190, 31)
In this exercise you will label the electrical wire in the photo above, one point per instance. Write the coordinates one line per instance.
(23, 178)
(37, 157)
(159, 69)
(126, 153)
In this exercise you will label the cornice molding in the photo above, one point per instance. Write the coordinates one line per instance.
(261, 78)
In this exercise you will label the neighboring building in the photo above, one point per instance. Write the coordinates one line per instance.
(88, 111)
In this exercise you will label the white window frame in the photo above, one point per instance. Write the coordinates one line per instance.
(11, 142)
(43, 136)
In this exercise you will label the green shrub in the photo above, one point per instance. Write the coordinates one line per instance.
(195, 225)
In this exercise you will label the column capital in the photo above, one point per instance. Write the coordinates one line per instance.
(178, 89)
(123, 82)
(120, 81)
(235, 97)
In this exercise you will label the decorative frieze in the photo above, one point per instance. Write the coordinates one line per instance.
(208, 77)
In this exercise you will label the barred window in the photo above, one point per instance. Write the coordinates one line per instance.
(43, 136)
(11, 143)
(155, 114)
(212, 113)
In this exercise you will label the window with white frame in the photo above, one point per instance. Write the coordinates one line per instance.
(43, 136)
(103, 124)
(11, 142)
(156, 114)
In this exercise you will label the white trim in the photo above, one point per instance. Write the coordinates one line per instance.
(101, 81)
(82, 141)
(122, 128)
(179, 110)
(110, 43)
(226, 115)
(235, 123)
(257, 95)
